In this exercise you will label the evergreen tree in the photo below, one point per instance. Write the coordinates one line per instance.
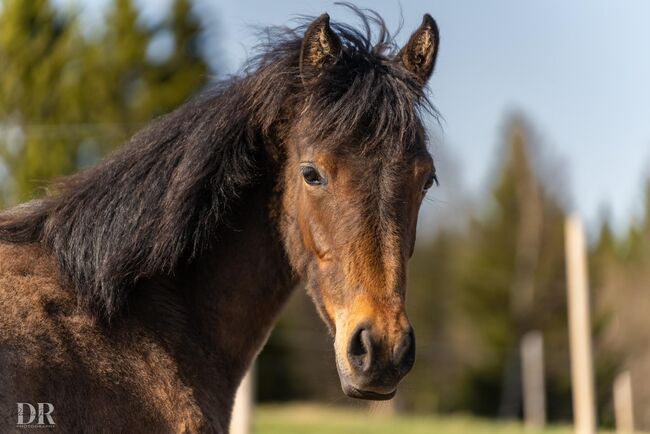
(513, 282)
(620, 270)
(645, 226)
(65, 100)
(606, 245)
(37, 48)
(184, 70)
(116, 64)
(433, 281)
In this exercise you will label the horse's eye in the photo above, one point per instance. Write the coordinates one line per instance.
(430, 181)
(311, 175)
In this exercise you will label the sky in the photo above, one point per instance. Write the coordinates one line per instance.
(579, 71)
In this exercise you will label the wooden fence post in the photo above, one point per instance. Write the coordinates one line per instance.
(623, 403)
(582, 377)
(532, 370)
(242, 412)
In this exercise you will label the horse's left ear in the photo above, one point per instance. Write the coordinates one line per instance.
(419, 54)
(321, 47)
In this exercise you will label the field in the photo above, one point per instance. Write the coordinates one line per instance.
(312, 419)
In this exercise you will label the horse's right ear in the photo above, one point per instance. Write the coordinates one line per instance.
(321, 47)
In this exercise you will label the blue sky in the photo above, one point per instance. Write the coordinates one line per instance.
(580, 71)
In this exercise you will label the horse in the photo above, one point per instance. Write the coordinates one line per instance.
(135, 294)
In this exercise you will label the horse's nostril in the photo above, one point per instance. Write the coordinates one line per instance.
(404, 354)
(360, 350)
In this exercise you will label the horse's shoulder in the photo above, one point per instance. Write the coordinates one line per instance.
(30, 297)
(25, 259)
(30, 287)
(51, 347)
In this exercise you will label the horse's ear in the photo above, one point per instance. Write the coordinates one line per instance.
(321, 47)
(419, 54)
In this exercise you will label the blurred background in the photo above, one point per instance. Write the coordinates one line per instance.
(545, 111)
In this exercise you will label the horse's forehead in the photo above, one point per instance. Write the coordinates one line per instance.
(380, 160)
(378, 178)
(354, 168)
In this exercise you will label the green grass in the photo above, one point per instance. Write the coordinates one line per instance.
(313, 419)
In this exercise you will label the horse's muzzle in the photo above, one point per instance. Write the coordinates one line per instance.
(373, 367)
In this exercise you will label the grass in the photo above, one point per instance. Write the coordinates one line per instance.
(314, 419)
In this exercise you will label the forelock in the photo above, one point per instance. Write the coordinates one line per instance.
(367, 97)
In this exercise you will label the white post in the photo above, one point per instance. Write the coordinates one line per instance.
(582, 377)
(532, 369)
(623, 403)
(243, 408)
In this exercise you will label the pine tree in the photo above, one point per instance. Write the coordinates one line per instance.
(185, 70)
(36, 51)
(645, 226)
(116, 64)
(620, 273)
(432, 284)
(513, 281)
(606, 245)
(66, 100)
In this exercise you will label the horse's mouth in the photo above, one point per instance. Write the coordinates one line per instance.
(353, 392)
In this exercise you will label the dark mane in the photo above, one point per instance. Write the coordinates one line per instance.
(157, 203)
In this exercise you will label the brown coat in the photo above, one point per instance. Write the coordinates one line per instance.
(166, 366)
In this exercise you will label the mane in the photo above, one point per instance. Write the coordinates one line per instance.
(157, 203)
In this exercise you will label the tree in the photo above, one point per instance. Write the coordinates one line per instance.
(432, 289)
(36, 49)
(620, 267)
(513, 281)
(66, 100)
(185, 70)
(645, 224)
(116, 65)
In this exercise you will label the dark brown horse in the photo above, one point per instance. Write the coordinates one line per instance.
(135, 296)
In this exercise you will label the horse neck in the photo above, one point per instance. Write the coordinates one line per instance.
(214, 316)
(239, 286)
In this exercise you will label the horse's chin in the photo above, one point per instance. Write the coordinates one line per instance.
(360, 388)
(370, 395)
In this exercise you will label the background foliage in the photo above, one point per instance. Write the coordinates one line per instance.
(66, 99)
